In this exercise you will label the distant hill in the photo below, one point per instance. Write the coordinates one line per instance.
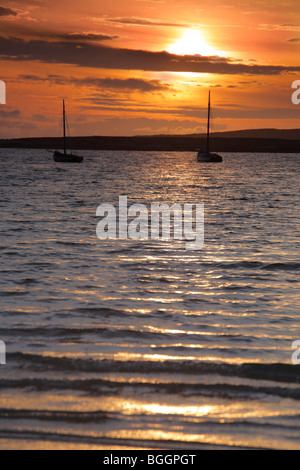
(251, 140)
(286, 134)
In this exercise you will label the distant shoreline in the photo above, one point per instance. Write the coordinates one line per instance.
(260, 140)
(179, 144)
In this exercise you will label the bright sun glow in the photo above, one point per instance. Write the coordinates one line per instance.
(191, 43)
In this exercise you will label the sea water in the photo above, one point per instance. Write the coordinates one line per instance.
(142, 344)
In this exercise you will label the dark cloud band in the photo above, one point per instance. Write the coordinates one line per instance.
(100, 56)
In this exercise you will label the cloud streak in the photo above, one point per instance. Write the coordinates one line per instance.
(7, 113)
(84, 54)
(7, 12)
(78, 37)
(119, 84)
(134, 21)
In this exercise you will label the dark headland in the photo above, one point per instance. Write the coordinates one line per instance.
(253, 140)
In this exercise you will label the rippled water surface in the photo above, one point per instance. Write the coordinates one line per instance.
(122, 344)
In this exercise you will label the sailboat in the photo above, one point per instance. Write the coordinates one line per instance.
(64, 156)
(206, 155)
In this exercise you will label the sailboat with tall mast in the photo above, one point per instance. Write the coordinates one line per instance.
(206, 155)
(64, 156)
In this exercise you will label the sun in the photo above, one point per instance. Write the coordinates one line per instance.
(191, 43)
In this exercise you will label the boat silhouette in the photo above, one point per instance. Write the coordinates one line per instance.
(64, 156)
(206, 155)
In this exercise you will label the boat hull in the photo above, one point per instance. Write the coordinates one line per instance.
(209, 157)
(66, 158)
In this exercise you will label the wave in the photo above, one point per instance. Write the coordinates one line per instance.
(259, 265)
(109, 387)
(54, 415)
(68, 243)
(123, 334)
(245, 264)
(98, 417)
(103, 311)
(41, 332)
(111, 442)
(275, 372)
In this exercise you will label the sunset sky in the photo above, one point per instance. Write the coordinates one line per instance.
(145, 66)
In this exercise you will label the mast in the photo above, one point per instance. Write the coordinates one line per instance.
(64, 120)
(208, 122)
